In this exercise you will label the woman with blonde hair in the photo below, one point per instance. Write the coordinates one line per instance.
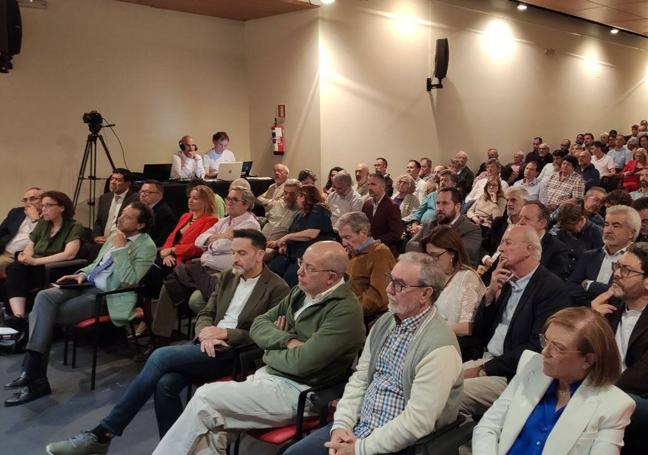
(405, 198)
(563, 400)
(631, 170)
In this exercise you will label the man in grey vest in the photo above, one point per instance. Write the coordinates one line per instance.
(409, 380)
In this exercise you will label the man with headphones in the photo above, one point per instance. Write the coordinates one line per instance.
(187, 164)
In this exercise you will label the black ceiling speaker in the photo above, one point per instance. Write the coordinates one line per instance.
(10, 33)
(441, 60)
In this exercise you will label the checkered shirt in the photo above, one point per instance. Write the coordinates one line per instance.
(559, 190)
(384, 399)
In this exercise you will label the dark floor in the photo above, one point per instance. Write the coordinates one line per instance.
(72, 407)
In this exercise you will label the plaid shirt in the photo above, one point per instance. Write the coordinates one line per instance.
(560, 189)
(384, 399)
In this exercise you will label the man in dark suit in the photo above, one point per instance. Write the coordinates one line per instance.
(112, 203)
(245, 291)
(16, 227)
(624, 306)
(593, 271)
(522, 295)
(448, 208)
(380, 166)
(384, 214)
(465, 176)
(151, 194)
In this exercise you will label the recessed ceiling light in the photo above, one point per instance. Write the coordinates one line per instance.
(521, 7)
(614, 31)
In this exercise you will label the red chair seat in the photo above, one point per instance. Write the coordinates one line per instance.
(281, 435)
(139, 314)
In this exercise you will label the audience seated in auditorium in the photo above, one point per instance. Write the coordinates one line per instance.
(55, 238)
(307, 177)
(310, 338)
(151, 194)
(245, 291)
(123, 261)
(493, 169)
(641, 206)
(448, 206)
(405, 197)
(186, 163)
(565, 186)
(111, 204)
(624, 306)
(216, 242)
(642, 189)
(516, 197)
(328, 187)
(274, 192)
(427, 210)
(513, 171)
(311, 224)
(16, 228)
(541, 153)
(342, 198)
(593, 203)
(563, 400)
(521, 296)
(370, 261)
(408, 379)
(362, 179)
(463, 289)
(488, 206)
(380, 167)
(413, 169)
(383, 213)
(594, 268)
(217, 155)
(577, 232)
(587, 170)
(491, 153)
(530, 182)
(280, 216)
(426, 168)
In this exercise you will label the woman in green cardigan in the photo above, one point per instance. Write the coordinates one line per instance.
(56, 237)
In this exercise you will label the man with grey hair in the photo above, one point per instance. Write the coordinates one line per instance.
(343, 198)
(593, 272)
(281, 215)
(408, 380)
(362, 179)
(465, 177)
(274, 192)
(310, 338)
(370, 261)
(18, 225)
(522, 294)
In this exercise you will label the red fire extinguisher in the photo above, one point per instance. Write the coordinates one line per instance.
(279, 146)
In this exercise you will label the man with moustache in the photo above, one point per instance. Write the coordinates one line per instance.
(245, 291)
(362, 179)
(643, 186)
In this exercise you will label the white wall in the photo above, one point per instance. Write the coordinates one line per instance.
(157, 74)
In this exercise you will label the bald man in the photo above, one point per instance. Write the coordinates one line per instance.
(186, 163)
(310, 338)
(465, 177)
(274, 193)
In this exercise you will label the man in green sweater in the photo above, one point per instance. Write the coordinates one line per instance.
(309, 339)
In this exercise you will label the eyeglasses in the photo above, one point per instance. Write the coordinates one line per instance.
(624, 270)
(145, 192)
(435, 256)
(233, 199)
(398, 286)
(310, 269)
(49, 206)
(30, 199)
(553, 347)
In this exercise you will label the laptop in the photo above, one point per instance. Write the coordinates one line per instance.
(230, 171)
(247, 167)
(159, 172)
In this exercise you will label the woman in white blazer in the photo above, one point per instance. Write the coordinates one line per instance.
(563, 401)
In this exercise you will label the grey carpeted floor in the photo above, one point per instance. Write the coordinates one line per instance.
(72, 407)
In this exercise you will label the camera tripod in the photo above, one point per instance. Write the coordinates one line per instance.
(90, 159)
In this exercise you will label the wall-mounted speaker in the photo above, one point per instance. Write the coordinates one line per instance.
(441, 59)
(10, 33)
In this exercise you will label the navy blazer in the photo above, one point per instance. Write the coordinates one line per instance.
(587, 268)
(555, 256)
(10, 225)
(543, 296)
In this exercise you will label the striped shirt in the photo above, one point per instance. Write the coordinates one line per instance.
(384, 398)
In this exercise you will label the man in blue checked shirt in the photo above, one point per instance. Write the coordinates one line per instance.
(409, 379)
(122, 262)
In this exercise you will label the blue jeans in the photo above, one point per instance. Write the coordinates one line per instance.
(313, 444)
(166, 373)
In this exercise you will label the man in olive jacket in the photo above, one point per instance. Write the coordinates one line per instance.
(310, 338)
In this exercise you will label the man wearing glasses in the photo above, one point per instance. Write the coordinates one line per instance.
(623, 305)
(16, 227)
(522, 294)
(310, 338)
(151, 194)
(409, 377)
